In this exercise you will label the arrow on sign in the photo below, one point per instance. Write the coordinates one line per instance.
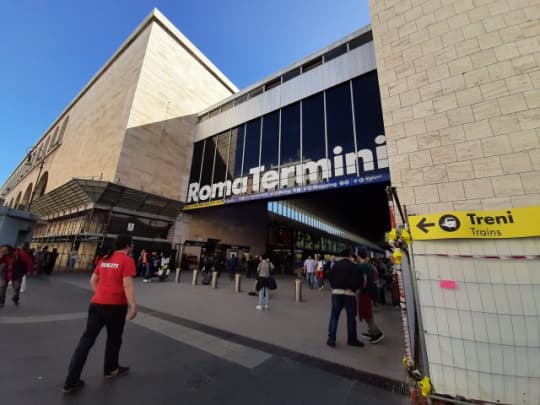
(423, 225)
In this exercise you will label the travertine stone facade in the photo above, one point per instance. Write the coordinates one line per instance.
(460, 91)
(460, 88)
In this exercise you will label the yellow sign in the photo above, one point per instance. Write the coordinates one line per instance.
(499, 224)
(203, 205)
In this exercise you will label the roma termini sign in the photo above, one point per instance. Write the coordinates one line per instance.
(499, 224)
(340, 170)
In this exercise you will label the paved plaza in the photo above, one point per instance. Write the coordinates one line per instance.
(195, 345)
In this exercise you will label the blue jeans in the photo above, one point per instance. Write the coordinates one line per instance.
(310, 279)
(340, 301)
(264, 296)
(149, 271)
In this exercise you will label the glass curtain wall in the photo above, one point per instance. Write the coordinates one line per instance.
(331, 135)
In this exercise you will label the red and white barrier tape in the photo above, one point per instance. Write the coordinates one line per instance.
(496, 257)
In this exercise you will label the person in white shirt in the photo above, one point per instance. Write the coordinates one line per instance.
(309, 268)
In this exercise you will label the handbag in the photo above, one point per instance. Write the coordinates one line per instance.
(271, 283)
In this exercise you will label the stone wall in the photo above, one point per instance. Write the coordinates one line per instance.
(460, 89)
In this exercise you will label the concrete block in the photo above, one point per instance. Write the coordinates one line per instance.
(412, 177)
(407, 145)
(426, 194)
(469, 150)
(417, 80)
(459, 171)
(446, 54)
(479, 188)
(525, 64)
(532, 98)
(496, 145)
(528, 200)
(460, 66)
(441, 207)
(501, 70)
(525, 140)
(486, 109)
(493, 23)
(519, 162)
(487, 167)
(460, 116)
(425, 62)
(435, 174)
(468, 205)
(519, 83)
(529, 119)
(444, 154)
(452, 135)
(445, 103)
(528, 45)
(509, 185)
(496, 203)
(409, 97)
(437, 122)
(462, 6)
(453, 84)
(515, 17)
(402, 114)
(452, 37)
(438, 73)
(505, 124)
(483, 58)
(530, 182)
(468, 47)
(431, 91)
(395, 132)
(415, 127)
(424, 109)
(512, 103)
(428, 140)
(535, 158)
(469, 96)
(420, 159)
(506, 51)
(456, 21)
(494, 89)
(473, 30)
(452, 191)
(489, 40)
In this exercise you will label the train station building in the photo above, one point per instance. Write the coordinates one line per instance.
(439, 101)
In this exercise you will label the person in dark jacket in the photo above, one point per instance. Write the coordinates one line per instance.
(344, 279)
(14, 264)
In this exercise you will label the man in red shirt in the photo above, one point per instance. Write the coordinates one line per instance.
(113, 293)
(14, 264)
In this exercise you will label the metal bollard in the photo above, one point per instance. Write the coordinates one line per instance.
(195, 275)
(298, 290)
(214, 279)
(177, 279)
(237, 283)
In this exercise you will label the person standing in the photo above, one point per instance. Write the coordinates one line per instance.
(344, 279)
(30, 263)
(53, 256)
(113, 292)
(14, 264)
(366, 296)
(263, 270)
(309, 268)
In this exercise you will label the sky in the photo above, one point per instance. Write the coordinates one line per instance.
(50, 49)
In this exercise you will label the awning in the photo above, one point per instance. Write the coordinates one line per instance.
(79, 194)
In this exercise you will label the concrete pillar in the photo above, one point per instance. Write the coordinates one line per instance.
(195, 276)
(298, 290)
(237, 283)
(214, 279)
(177, 279)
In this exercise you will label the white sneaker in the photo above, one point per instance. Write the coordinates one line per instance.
(146, 281)
(259, 307)
(267, 307)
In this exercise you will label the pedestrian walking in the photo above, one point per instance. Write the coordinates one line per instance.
(366, 296)
(14, 264)
(113, 293)
(309, 269)
(344, 279)
(264, 283)
(53, 256)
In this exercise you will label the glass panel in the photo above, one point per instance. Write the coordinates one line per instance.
(270, 141)
(251, 153)
(334, 53)
(208, 161)
(313, 145)
(360, 40)
(195, 174)
(291, 74)
(235, 153)
(368, 119)
(220, 165)
(290, 139)
(339, 125)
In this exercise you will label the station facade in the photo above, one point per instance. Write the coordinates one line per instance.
(438, 100)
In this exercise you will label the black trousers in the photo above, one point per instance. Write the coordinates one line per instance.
(15, 284)
(113, 317)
